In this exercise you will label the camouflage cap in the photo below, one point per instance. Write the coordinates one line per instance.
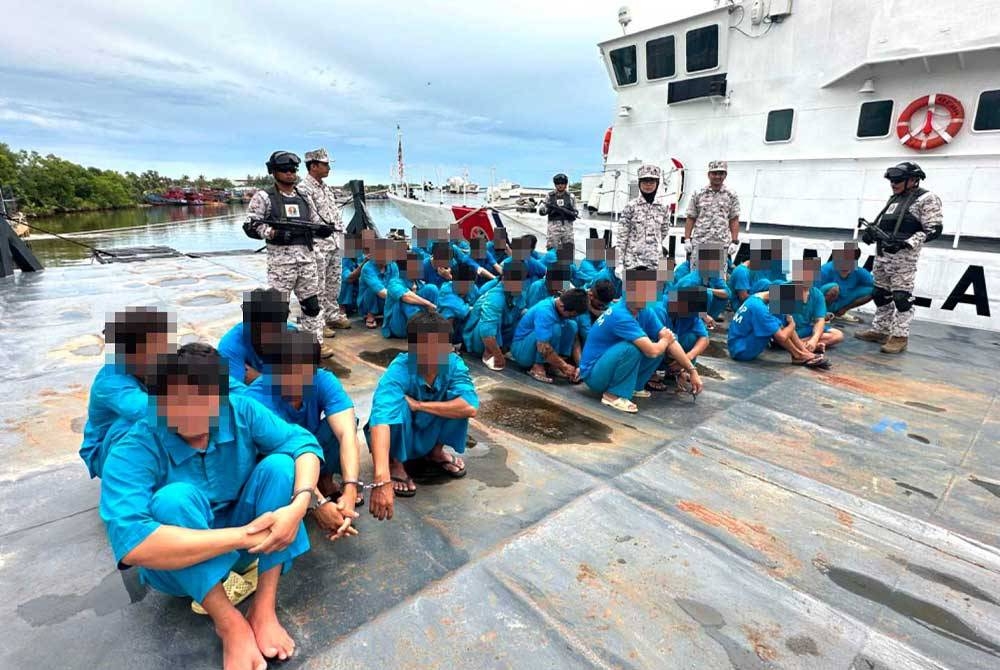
(318, 155)
(647, 171)
(713, 166)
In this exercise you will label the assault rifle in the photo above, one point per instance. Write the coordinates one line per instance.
(560, 210)
(320, 230)
(873, 233)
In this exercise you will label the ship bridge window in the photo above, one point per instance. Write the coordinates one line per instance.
(623, 62)
(988, 111)
(702, 45)
(779, 125)
(660, 58)
(875, 118)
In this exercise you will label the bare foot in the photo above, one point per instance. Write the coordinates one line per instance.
(239, 646)
(452, 464)
(272, 639)
(401, 482)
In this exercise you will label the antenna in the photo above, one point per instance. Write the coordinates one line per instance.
(624, 18)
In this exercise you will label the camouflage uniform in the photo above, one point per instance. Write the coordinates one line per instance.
(329, 252)
(713, 211)
(559, 231)
(642, 228)
(897, 272)
(291, 269)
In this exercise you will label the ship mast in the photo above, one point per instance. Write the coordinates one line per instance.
(399, 158)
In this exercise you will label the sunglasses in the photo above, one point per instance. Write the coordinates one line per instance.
(897, 180)
(287, 168)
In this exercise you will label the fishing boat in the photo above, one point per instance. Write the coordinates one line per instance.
(810, 104)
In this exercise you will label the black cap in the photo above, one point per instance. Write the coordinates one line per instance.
(560, 179)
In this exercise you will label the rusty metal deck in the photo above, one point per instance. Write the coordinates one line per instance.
(787, 519)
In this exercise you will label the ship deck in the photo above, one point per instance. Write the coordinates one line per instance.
(785, 519)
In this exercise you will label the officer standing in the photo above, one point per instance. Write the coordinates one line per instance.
(644, 224)
(912, 217)
(282, 216)
(713, 213)
(329, 251)
(560, 206)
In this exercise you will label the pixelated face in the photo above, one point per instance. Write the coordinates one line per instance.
(556, 279)
(595, 249)
(383, 251)
(477, 246)
(461, 286)
(421, 237)
(640, 291)
(500, 239)
(410, 265)
(687, 301)
(785, 298)
(708, 260)
(612, 256)
(431, 349)
(368, 240)
(519, 249)
(845, 260)
(665, 271)
(188, 410)
(293, 378)
(455, 233)
(146, 353)
(565, 252)
(805, 270)
(765, 253)
(352, 245)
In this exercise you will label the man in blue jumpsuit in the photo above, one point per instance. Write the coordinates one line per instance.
(489, 328)
(810, 308)
(705, 271)
(764, 317)
(767, 265)
(680, 311)
(621, 354)
(422, 403)
(375, 274)
(300, 392)
(265, 317)
(404, 297)
(210, 484)
(118, 396)
(456, 298)
(844, 284)
(547, 334)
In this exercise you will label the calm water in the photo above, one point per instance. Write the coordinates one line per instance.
(187, 229)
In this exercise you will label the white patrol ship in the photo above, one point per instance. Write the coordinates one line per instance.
(810, 102)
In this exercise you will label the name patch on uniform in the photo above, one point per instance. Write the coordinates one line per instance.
(892, 208)
(561, 202)
(292, 211)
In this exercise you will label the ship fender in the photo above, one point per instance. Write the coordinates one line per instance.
(930, 135)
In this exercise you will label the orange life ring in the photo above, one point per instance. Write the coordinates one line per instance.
(929, 136)
(607, 142)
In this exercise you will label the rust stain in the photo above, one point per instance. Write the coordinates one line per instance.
(756, 636)
(753, 534)
(586, 573)
(900, 390)
(845, 519)
(695, 451)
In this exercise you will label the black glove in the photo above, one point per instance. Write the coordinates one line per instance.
(283, 237)
(868, 237)
(323, 232)
(935, 233)
(893, 246)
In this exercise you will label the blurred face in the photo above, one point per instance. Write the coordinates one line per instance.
(431, 351)
(500, 240)
(640, 293)
(462, 286)
(141, 363)
(293, 378)
(513, 287)
(716, 177)
(189, 411)
(805, 271)
(648, 186)
(844, 262)
(595, 249)
(265, 333)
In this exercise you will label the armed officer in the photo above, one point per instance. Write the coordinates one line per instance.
(560, 206)
(644, 224)
(911, 218)
(282, 216)
(329, 251)
(713, 213)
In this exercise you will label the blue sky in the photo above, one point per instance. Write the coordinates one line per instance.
(213, 88)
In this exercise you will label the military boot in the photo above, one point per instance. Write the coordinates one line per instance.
(325, 351)
(343, 323)
(329, 332)
(895, 345)
(871, 335)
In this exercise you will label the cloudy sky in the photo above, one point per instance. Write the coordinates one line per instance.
(213, 88)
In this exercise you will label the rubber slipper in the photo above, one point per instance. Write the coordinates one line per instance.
(819, 363)
(371, 324)
(642, 393)
(491, 363)
(452, 460)
(654, 385)
(408, 492)
(539, 377)
(620, 404)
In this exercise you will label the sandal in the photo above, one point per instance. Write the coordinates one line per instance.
(620, 404)
(407, 492)
(655, 385)
(539, 377)
(452, 460)
(371, 323)
(642, 393)
(819, 363)
(492, 364)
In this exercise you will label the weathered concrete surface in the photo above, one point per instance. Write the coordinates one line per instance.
(785, 519)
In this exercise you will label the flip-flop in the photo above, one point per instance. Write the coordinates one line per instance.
(539, 377)
(642, 393)
(620, 404)
(492, 364)
(452, 460)
(819, 363)
(406, 493)
(371, 324)
(654, 385)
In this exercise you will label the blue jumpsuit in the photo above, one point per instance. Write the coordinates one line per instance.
(752, 328)
(372, 282)
(154, 478)
(397, 312)
(856, 285)
(716, 305)
(117, 401)
(323, 398)
(808, 313)
(611, 362)
(752, 281)
(542, 323)
(494, 314)
(237, 349)
(415, 434)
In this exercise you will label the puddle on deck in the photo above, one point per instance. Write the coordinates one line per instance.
(339, 369)
(170, 282)
(716, 349)
(204, 300)
(539, 420)
(382, 357)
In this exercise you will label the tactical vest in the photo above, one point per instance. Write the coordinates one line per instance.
(293, 209)
(896, 218)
